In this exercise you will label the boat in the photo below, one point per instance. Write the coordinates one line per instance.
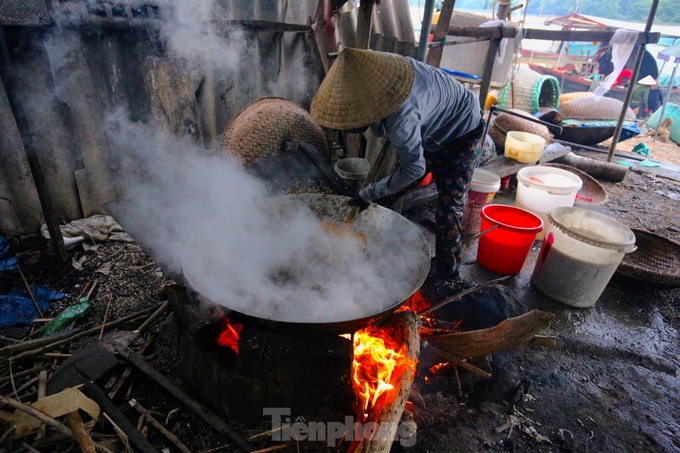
(570, 82)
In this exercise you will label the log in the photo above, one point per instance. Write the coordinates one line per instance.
(387, 416)
(509, 335)
(136, 439)
(595, 168)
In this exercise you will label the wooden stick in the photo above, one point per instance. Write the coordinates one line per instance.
(545, 341)
(82, 436)
(38, 342)
(136, 439)
(30, 292)
(159, 427)
(58, 355)
(199, 409)
(461, 294)
(128, 370)
(25, 386)
(106, 314)
(458, 362)
(29, 448)
(154, 317)
(274, 448)
(20, 374)
(46, 419)
(7, 433)
(42, 392)
(85, 333)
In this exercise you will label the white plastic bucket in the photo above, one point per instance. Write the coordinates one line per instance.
(482, 191)
(579, 255)
(353, 170)
(523, 146)
(541, 189)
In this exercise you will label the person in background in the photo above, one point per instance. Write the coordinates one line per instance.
(595, 79)
(640, 96)
(431, 120)
(624, 77)
(655, 98)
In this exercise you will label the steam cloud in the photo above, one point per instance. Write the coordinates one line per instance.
(200, 212)
(248, 250)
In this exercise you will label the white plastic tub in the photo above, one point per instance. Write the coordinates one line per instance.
(579, 255)
(541, 188)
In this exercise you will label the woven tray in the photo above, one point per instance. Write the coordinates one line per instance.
(591, 187)
(591, 107)
(655, 263)
(259, 130)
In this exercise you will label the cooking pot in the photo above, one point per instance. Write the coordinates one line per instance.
(396, 252)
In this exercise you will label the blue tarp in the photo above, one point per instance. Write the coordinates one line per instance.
(17, 308)
(7, 260)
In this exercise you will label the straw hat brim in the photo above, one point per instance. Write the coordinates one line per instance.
(649, 80)
(361, 87)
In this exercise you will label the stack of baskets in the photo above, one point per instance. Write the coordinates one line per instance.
(261, 128)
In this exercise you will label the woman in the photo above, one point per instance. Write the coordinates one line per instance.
(431, 120)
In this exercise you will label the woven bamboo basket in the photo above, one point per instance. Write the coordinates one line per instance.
(504, 123)
(529, 91)
(591, 107)
(655, 263)
(260, 129)
(566, 97)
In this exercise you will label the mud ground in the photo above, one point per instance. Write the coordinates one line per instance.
(611, 384)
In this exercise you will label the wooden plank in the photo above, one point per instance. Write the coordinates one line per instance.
(364, 23)
(57, 405)
(434, 56)
(547, 35)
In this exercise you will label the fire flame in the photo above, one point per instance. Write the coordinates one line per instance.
(230, 334)
(377, 360)
(417, 302)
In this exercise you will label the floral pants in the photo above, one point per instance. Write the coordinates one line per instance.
(452, 169)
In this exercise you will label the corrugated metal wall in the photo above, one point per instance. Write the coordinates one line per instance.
(88, 63)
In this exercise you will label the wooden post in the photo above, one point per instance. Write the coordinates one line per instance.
(364, 23)
(434, 56)
(56, 238)
(487, 70)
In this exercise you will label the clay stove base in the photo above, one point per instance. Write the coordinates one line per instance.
(309, 376)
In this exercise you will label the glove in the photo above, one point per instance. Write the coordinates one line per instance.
(360, 202)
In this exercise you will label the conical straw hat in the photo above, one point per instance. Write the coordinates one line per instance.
(362, 87)
(649, 80)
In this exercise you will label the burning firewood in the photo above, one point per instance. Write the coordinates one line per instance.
(387, 411)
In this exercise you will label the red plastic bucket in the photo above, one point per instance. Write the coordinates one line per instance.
(505, 248)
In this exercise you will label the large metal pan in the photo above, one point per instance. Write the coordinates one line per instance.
(397, 253)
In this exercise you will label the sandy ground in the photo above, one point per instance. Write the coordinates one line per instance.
(668, 152)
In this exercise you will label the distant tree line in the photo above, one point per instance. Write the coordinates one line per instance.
(668, 11)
